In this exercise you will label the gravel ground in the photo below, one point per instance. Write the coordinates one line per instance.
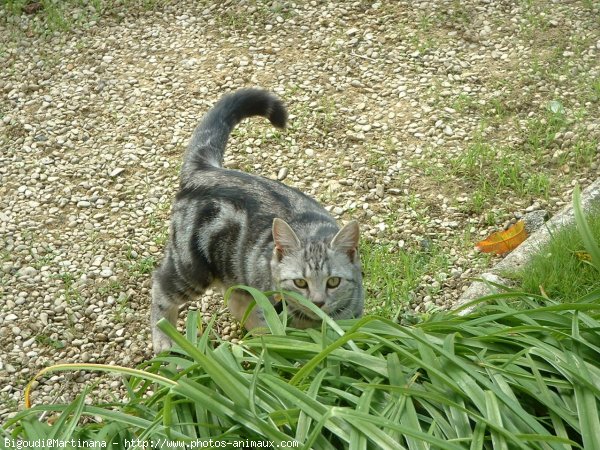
(384, 97)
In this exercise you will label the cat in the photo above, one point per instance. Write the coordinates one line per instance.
(229, 228)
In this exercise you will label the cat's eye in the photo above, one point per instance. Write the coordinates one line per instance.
(333, 282)
(300, 283)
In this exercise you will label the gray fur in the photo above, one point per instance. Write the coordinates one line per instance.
(224, 231)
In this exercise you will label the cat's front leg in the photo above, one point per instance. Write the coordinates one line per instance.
(163, 306)
(169, 291)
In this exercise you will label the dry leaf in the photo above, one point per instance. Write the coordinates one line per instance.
(583, 256)
(33, 7)
(504, 241)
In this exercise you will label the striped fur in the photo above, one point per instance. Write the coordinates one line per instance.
(224, 232)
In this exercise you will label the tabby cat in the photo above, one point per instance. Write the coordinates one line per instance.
(230, 227)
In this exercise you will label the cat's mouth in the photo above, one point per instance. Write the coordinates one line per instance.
(338, 312)
(304, 314)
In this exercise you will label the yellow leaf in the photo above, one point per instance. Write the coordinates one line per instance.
(504, 241)
(583, 256)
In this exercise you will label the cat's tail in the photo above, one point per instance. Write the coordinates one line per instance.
(208, 142)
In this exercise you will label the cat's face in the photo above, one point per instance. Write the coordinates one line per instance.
(327, 273)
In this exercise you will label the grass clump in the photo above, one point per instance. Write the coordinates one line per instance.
(392, 274)
(510, 375)
(562, 268)
(493, 171)
(48, 16)
(501, 377)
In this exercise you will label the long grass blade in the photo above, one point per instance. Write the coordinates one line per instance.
(271, 317)
(232, 383)
(95, 367)
(589, 242)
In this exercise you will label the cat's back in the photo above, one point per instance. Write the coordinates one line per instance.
(251, 194)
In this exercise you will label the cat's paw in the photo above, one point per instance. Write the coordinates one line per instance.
(160, 343)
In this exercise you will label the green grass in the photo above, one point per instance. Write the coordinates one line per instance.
(491, 171)
(561, 268)
(392, 274)
(145, 266)
(511, 375)
(71, 293)
(66, 15)
(54, 15)
(541, 130)
(44, 339)
(156, 224)
(378, 160)
(502, 377)
(581, 154)
(594, 87)
(43, 260)
(264, 13)
(138, 266)
(463, 103)
(110, 287)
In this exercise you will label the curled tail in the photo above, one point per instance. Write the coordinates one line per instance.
(210, 137)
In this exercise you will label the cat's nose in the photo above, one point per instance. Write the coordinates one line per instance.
(319, 304)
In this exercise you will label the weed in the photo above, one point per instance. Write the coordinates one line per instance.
(142, 266)
(4, 255)
(391, 275)
(67, 279)
(383, 270)
(492, 171)
(8, 401)
(14, 7)
(341, 172)
(156, 223)
(537, 184)
(584, 152)
(110, 287)
(121, 309)
(498, 108)
(72, 294)
(377, 160)
(459, 13)
(595, 89)
(478, 202)
(472, 161)
(63, 16)
(425, 23)
(463, 102)
(43, 260)
(541, 131)
(44, 339)
(235, 20)
(326, 114)
(535, 20)
(161, 237)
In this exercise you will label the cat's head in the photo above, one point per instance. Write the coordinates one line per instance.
(327, 272)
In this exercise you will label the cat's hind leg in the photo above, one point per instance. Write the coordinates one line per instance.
(169, 291)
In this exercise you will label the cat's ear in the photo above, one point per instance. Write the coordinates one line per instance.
(346, 240)
(284, 237)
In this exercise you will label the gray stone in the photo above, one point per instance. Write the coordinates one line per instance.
(282, 174)
(534, 220)
(106, 273)
(116, 171)
(480, 289)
